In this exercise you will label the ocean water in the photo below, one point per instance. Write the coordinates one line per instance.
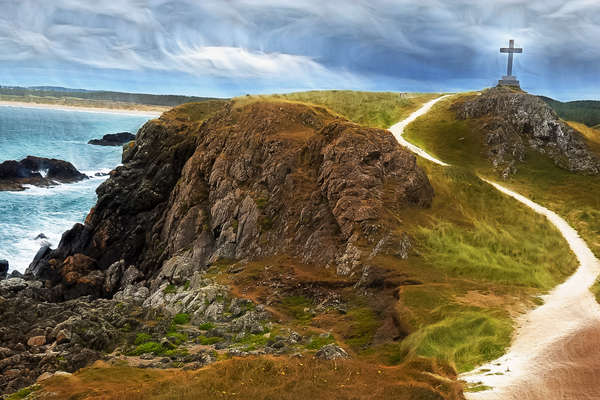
(53, 134)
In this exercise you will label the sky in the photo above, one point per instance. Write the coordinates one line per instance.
(226, 48)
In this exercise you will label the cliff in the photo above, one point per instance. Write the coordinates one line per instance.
(251, 181)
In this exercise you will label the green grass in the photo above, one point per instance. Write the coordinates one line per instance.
(479, 253)
(466, 339)
(23, 393)
(375, 109)
(181, 319)
(363, 325)
(485, 242)
(142, 338)
(297, 307)
(595, 289)
(573, 196)
(170, 289)
(206, 326)
(318, 341)
(149, 347)
(207, 341)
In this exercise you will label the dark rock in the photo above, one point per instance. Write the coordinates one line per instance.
(35, 267)
(3, 269)
(15, 274)
(331, 352)
(113, 139)
(40, 236)
(37, 171)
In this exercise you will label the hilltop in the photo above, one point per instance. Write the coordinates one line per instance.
(252, 238)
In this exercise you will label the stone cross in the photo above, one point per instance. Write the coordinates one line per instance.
(509, 79)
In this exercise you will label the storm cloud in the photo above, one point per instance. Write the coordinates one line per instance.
(231, 47)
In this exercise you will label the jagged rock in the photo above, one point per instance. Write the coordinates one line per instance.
(135, 294)
(37, 171)
(113, 139)
(112, 276)
(517, 121)
(58, 336)
(331, 352)
(40, 236)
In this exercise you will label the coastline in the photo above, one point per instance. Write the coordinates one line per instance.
(102, 110)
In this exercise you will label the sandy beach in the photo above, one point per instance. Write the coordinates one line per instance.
(123, 111)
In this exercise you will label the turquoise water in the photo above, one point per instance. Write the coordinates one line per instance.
(51, 211)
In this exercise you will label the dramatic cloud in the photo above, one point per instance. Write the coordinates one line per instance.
(236, 46)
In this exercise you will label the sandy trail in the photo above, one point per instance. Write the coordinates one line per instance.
(555, 352)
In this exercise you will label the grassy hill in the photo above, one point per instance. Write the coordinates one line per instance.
(375, 109)
(461, 142)
(583, 111)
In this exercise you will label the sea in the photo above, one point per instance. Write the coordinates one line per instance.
(61, 134)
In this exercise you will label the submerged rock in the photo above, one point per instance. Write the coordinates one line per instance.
(113, 139)
(37, 171)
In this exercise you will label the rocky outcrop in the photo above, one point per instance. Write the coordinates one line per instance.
(113, 139)
(253, 181)
(37, 171)
(518, 122)
(37, 336)
(3, 269)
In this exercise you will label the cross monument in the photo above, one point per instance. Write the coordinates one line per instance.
(509, 79)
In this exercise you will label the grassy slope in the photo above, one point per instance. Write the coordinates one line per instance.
(376, 109)
(481, 258)
(263, 378)
(573, 196)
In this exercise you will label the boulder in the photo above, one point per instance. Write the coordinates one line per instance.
(113, 139)
(36, 341)
(331, 352)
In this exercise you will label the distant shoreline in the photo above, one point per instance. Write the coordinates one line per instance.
(102, 110)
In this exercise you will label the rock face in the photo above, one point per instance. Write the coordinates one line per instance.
(37, 171)
(252, 181)
(517, 121)
(113, 139)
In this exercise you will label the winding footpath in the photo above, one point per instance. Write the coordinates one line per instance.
(555, 353)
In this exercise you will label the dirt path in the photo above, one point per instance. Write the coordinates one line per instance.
(555, 352)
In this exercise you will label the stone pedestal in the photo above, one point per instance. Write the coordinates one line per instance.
(509, 81)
